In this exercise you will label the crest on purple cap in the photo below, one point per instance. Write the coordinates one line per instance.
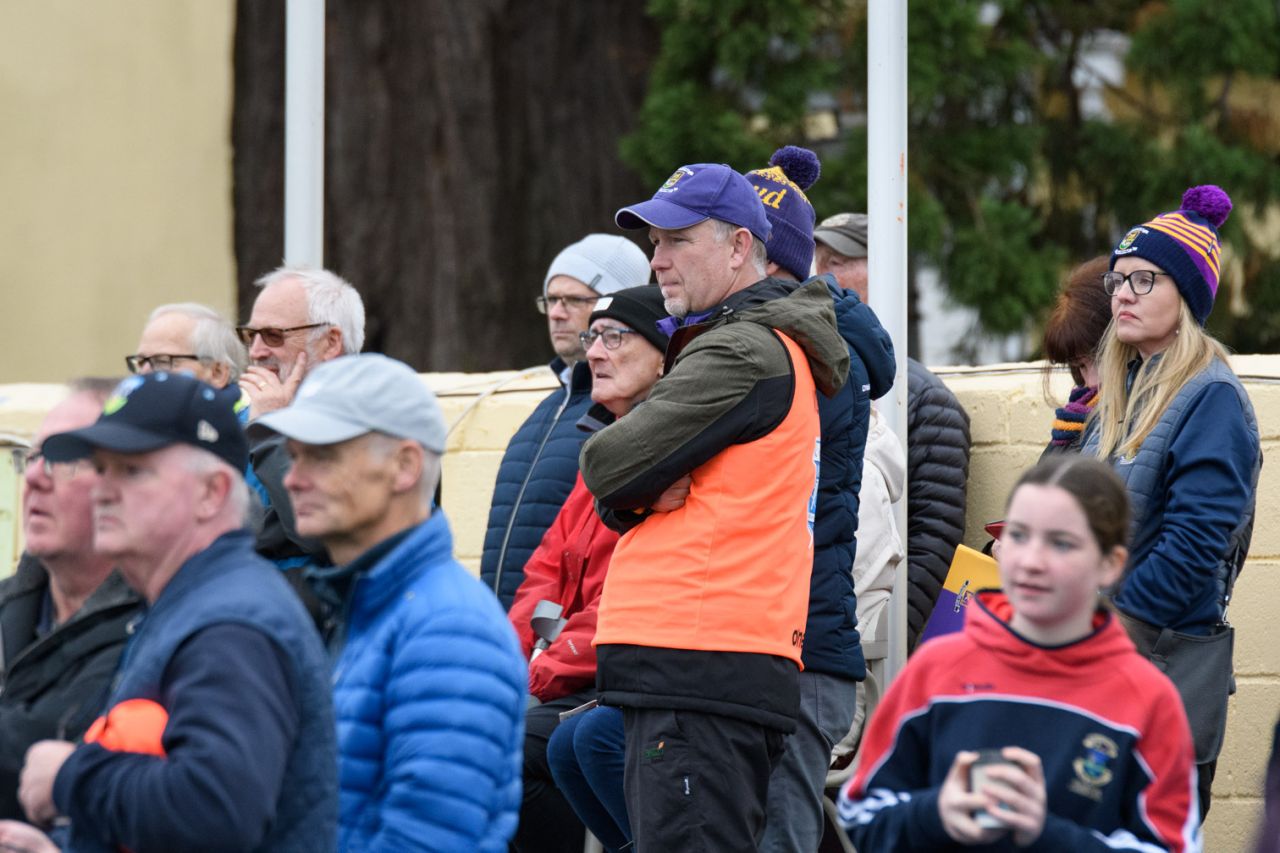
(696, 193)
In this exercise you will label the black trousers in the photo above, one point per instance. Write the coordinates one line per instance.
(697, 781)
(548, 823)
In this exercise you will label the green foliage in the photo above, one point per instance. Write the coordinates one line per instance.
(722, 64)
(1013, 176)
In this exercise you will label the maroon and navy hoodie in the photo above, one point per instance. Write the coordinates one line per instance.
(1109, 728)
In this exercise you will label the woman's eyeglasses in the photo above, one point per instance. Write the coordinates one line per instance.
(1140, 281)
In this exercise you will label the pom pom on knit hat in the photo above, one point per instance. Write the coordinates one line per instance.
(781, 186)
(1184, 243)
(1211, 202)
(799, 164)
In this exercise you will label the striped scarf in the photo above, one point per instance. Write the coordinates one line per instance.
(1068, 422)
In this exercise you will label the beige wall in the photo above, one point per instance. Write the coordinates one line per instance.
(1009, 418)
(115, 158)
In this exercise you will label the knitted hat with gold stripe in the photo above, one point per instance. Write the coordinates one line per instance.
(1184, 243)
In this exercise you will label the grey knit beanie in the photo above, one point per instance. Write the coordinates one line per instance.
(603, 262)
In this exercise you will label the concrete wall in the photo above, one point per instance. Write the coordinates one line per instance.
(116, 170)
(1010, 424)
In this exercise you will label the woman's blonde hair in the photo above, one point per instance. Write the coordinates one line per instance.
(1126, 418)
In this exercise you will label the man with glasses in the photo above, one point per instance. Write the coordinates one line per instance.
(63, 613)
(189, 338)
(541, 463)
(301, 318)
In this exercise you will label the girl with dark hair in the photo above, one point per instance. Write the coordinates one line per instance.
(1071, 336)
(1178, 427)
(1038, 725)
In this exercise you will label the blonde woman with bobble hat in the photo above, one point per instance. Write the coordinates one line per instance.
(1178, 427)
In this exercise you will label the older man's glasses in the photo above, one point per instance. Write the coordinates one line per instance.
(52, 470)
(572, 303)
(612, 337)
(1140, 281)
(271, 336)
(160, 361)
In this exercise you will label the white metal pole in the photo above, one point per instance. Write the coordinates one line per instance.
(887, 242)
(304, 133)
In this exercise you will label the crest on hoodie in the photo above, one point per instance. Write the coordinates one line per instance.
(1093, 771)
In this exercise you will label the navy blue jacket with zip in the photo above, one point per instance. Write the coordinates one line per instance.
(250, 751)
(536, 475)
(1192, 486)
(831, 642)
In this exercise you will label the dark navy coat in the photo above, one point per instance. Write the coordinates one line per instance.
(831, 642)
(536, 475)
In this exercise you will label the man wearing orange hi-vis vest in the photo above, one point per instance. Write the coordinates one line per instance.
(713, 480)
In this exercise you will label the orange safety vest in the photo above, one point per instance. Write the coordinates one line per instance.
(728, 571)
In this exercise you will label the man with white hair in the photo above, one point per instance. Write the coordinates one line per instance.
(301, 318)
(218, 732)
(429, 681)
(191, 338)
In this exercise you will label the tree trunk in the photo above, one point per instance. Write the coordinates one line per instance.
(466, 144)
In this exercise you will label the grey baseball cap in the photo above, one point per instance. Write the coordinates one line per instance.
(844, 232)
(357, 394)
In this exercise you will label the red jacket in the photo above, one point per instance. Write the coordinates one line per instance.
(568, 568)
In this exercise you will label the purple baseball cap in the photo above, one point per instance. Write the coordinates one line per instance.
(696, 193)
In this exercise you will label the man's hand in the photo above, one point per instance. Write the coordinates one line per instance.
(956, 804)
(267, 392)
(22, 837)
(35, 784)
(674, 497)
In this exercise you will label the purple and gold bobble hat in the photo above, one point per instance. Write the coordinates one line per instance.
(1184, 243)
(781, 186)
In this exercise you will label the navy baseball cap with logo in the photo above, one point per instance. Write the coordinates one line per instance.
(156, 410)
(695, 194)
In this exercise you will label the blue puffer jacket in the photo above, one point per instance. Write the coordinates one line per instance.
(429, 694)
(831, 642)
(537, 473)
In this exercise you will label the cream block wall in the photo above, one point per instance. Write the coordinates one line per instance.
(1009, 418)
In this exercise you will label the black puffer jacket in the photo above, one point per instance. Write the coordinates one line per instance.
(937, 472)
